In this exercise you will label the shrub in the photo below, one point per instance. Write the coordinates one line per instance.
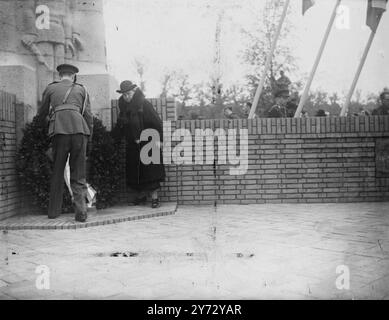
(35, 168)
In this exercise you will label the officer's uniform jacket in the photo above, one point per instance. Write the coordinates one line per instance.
(67, 118)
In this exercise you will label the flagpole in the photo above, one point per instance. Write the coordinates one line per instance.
(304, 97)
(358, 73)
(268, 61)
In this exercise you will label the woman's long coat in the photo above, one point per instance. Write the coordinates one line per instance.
(134, 117)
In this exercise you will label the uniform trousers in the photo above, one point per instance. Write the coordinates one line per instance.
(63, 145)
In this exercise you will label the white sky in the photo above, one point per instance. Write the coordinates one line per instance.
(179, 34)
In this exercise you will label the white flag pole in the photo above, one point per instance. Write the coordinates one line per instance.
(268, 61)
(358, 73)
(304, 97)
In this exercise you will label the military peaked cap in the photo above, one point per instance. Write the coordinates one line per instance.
(67, 68)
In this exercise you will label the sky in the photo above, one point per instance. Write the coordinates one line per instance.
(180, 35)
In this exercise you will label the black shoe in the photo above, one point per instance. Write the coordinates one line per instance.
(155, 203)
(138, 201)
(53, 217)
(81, 217)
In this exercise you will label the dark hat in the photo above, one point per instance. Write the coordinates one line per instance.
(126, 86)
(384, 93)
(282, 94)
(321, 113)
(67, 68)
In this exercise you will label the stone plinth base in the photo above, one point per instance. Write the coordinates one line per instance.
(102, 89)
(21, 81)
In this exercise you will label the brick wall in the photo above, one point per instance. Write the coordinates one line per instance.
(9, 194)
(13, 199)
(289, 161)
(166, 109)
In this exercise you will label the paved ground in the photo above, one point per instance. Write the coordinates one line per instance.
(95, 218)
(233, 252)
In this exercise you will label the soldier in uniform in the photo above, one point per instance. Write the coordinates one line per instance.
(246, 110)
(229, 114)
(383, 109)
(283, 82)
(279, 110)
(70, 126)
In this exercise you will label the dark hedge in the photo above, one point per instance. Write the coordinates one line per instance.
(34, 167)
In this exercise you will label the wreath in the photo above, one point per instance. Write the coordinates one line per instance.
(35, 167)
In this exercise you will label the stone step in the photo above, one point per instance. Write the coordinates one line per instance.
(95, 218)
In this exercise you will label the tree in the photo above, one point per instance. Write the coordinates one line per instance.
(183, 88)
(356, 104)
(139, 65)
(317, 100)
(372, 102)
(334, 98)
(202, 94)
(235, 95)
(259, 43)
(167, 82)
(175, 83)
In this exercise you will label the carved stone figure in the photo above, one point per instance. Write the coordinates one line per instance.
(38, 35)
(49, 35)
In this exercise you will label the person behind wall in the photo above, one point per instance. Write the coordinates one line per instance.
(279, 109)
(246, 110)
(291, 107)
(283, 82)
(71, 128)
(137, 114)
(364, 113)
(229, 114)
(321, 113)
(383, 109)
(304, 114)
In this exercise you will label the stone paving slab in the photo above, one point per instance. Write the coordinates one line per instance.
(95, 218)
(272, 251)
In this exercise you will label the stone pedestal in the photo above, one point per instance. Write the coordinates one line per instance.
(101, 88)
(22, 82)
(29, 55)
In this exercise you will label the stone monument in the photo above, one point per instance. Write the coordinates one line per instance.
(38, 35)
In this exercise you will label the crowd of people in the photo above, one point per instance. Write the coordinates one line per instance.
(285, 105)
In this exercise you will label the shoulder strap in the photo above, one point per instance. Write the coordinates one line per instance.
(67, 94)
(85, 99)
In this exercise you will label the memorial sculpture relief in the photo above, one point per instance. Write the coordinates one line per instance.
(50, 36)
(38, 35)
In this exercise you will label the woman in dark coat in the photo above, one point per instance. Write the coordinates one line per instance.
(137, 114)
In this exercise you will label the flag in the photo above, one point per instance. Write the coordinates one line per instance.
(90, 191)
(307, 4)
(375, 9)
(66, 175)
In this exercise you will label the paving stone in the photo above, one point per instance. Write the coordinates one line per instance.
(101, 217)
(272, 251)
